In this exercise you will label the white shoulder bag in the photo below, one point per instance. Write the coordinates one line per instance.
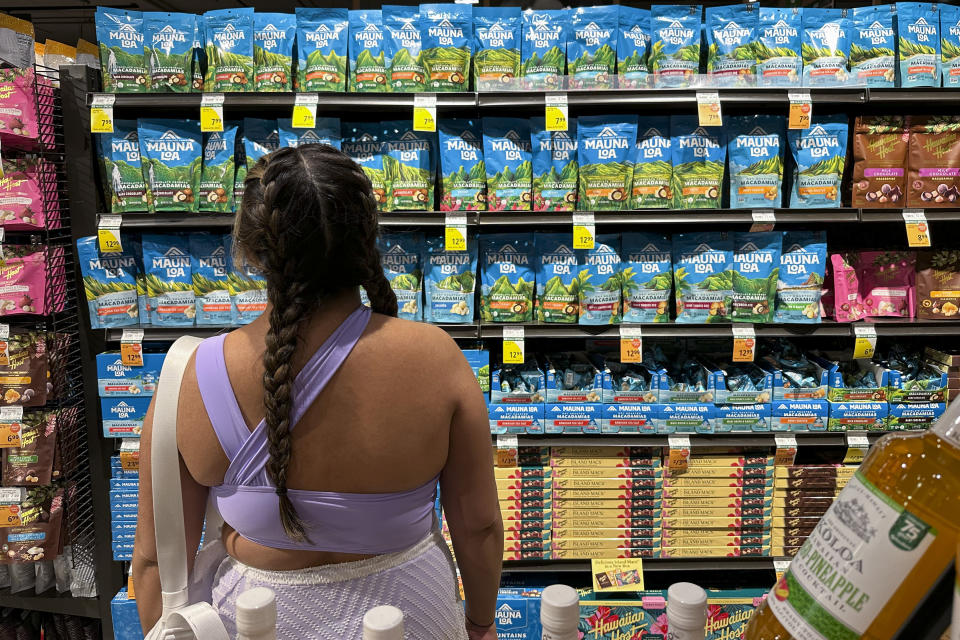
(187, 612)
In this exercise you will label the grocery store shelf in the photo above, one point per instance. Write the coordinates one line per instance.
(421, 218)
(649, 564)
(896, 215)
(822, 439)
(169, 334)
(66, 605)
(933, 97)
(145, 221)
(248, 104)
(670, 216)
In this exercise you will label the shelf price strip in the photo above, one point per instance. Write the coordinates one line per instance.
(507, 446)
(108, 234)
(763, 220)
(211, 112)
(10, 426)
(101, 113)
(4, 345)
(305, 110)
(918, 230)
(801, 110)
(857, 446)
(744, 343)
(708, 109)
(131, 347)
(513, 347)
(679, 455)
(556, 111)
(130, 454)
(786, 451)
(584, 230)
(425, 112)
(10, 499)
(864, 341)
(631, 344)
(455, 232)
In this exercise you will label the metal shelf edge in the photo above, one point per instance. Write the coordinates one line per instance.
(760, 563)
(83, 607)
(765, 439)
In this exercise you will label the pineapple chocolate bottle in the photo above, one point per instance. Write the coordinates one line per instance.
(880, 548)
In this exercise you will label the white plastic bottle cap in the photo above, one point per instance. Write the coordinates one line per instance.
(383, 623)
(256, 612)
(686, 605)
(559, 607)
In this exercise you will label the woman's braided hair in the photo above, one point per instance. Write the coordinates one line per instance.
(308, 222)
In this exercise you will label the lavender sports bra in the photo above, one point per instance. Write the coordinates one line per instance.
(362, 523)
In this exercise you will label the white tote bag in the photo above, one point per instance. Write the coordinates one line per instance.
(187, 612)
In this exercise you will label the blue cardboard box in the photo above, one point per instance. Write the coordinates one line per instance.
(479, 360)
(518, 614)
(687, 417)
(914, 417)
(719, 380)
(742, 418)
(115, 379)
(799, 415)
(555, 383)
(630, 418)
(502, 393)
(127, 484)
(123, 417)
(126, 619)
(121, 528)
(911, 391)
(573, 418)
(784, 390)
(858, 416)
(616, 394)
(516, 418)
(839, 392)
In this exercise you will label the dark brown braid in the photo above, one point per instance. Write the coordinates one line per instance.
(308, 222)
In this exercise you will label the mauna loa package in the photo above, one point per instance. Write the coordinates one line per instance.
(229, 49)
(557, 285)
(674, 44)
(755, 151)
(950, 44)
(122, 62)
(362, 142)
(778, 51)
(701, 276)
(555, 168)
(918, 25)
(605, 150)
(755, 272)
(121, 154)
(324, 131)
(646, 276)
(802, 265)
(699, 155)
(210, 268)
(506, 151)
(169, 279)
(400, 258)
(872, 57)
(447, 32)
(168, 46)
(216, 181)
(508, 277)
(247, 286)
(652, 164)
(633, 45)
(819, 155)
(409, 163)
(599, 281)
(109, 282)
(322, 36)
(731, 44)
(543, 49)
(826, 46)
(464, 174)
(368, 71)
(170, 159)
(591, 61)
(273, 38)
(402, 46)
(449, 281)
(496, 48)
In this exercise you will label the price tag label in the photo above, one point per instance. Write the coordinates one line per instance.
(4, 345)
(11, 414)
(864, 341)
(10, 515)
(513, 345)
(131, 347)
(130, 593)
(763, 220)
(801, 110)
(130, 454)
(211, 112)
(679, 455)
(455, 232)
(557, 111)
(708, 109)
(621, 574)
(744, 343)
(9, 434)
(786, 451)
(305, 111)
(101, 113)
(425, 112)
(780, 566)
(631, 344)
(507, 446)
(857, 446)
(918, 230)
(584, 230)
(108, 234)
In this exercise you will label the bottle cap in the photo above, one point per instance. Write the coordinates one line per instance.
(256, 611)
(686, 606)
(383, 623)
(559, 607)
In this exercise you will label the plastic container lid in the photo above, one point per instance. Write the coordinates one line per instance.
(256, 612)
(559, 607)
(383, 623)
(686, 606)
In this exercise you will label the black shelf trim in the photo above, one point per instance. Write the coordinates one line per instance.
(896, 215)
(169, 334)
(917, 95)
(174, 220)
(66, 605)
(757, 563)
(755, 96)
(765, 439)
(251, 101)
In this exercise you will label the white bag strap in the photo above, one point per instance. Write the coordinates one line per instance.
(165, 476)
(202, 619)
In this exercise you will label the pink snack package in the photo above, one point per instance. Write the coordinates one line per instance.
(888, 283)
(848, 305)
(18, 107)
(21, 198)
(23, 280)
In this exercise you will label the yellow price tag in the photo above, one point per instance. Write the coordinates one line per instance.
(9, 435)
(582, 237)
(556, 118)
(130, 460)
(304, 117)
(708, 109)
(620, 574)
(101, 119)
(453, 240)
(743, 349)
(865, 341)
(512, 352)
(801, 109)
(211, 119)
(109, 240)
(10, 515)
(918, 234)
(855, 455)
(130, 594)
(631, 344)
(131, 354)
(424, 119)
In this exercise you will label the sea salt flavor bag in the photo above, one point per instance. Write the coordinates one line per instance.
(950, 44)
(168, 48)
(171, 155)
(591, 60)
(410, 164)
(918, 45)
(447, 32)
(123, 170)
(462, 169)
(18, 105)
(169, 279)
(826, 47)
(507, 156)
(449, 281)
(802, 268)
(362, 143)
(229, 50)
(322, 36)
(755, 148)
(779, 63)
(109, 283)
(646, 277)
(699, 155)
(209, 271)
(247, 287)
(754, 276)
(558, 299)
(888, 283)
(324, 131)
(273, 38)
(702, 265)
(122, 63)
(507, 277)
(819, 158)
(633, 45)
(652, 164)
(400, 256)
(402, 46)
(599, 281)
(543, 48)
(496, 47)
(731, 34)
(368, 70)
(555, 167)
(674, 57)
(219, 170)
(605, 152)
(873, 46)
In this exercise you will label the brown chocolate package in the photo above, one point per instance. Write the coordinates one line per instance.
(38, 537)
(790, 494)
(23, 373)
(938, 284)
(795, 512)
(934, 176)
(808, 482)
(880, 162)
(31, 464)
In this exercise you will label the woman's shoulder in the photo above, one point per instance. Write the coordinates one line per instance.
(406, 335)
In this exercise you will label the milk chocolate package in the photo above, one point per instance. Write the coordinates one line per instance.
(880, 162)
(934, 176)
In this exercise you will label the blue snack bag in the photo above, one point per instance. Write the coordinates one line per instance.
(400, 255)
(591, 61)
(410, 164)
(918, 47)
(127, 187)
(209, 271)
(109, 282)
(123, 65)
(633, 45)
(496, 47)
(362, 141)
(779, 63)
(826, 47)
(699, 154)
(950, 44)
(652, 164)
(449, 281)
(507, 277)
(755, 148)
(557, 284)
(447, 32)
(273, 38)
(754, 276)
(647, 277)
(171, 154)
(674, 44)
(168, 47)
(605, 152)
(325, 131)
(322, 36)
(260, 137)
(506, 152)
(462, 169)
(543, 49)
(731, 44)
(702, 264)
(872, 51)
(555, 167)
(368, 70)
(219, 169)
(819, 155)
(169, 279)
(229, 49)
(403, 48)
(802, 266)
(598, 283)
(247, 287)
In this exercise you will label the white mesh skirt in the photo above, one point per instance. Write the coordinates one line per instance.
(328, 602)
